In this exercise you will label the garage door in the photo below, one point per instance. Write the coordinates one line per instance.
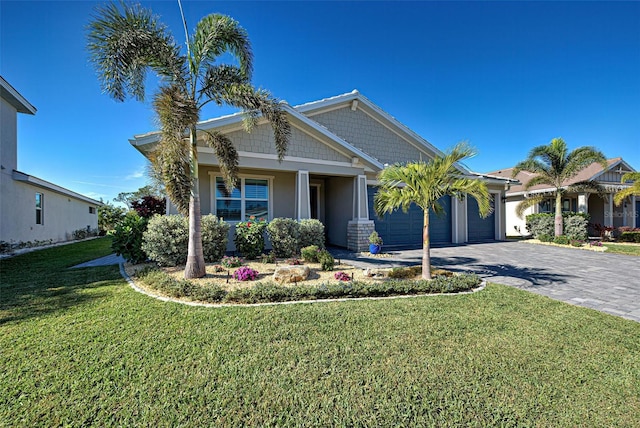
(478, 228)
(401, 230)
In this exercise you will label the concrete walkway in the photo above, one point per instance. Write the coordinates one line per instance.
(109, 260)
(607, 282)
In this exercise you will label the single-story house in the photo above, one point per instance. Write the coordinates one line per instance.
(601, 208)
(337, 147)
(32, 209)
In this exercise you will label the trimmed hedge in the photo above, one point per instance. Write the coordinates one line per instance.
(574, 225)
(633, 236)
(266, 292)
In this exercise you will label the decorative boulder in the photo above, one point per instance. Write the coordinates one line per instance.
(284, 274)
(375, 273)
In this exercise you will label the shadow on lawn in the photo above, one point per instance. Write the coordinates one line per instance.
(38, 284)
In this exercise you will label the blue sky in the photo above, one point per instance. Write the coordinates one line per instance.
(505, 76)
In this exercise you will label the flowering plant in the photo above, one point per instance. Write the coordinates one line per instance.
(294, 262)
(342, 276)
(249, 237)
(218, 268)
(245, 273)
(231, 262)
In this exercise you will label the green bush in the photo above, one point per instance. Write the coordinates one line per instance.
(311, 233)
(108, 217)
(405, 272)
(632, 236)
(249, 237)
(284, 234)
(166, 239)
(540, 224)
(310, 254)
(326, 260)
(545, 238)
(215, 234)
(575, 227)
(181, 288)
(127, 237)
(562, 240)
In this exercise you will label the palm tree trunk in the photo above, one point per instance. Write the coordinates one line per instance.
(558, 218)
(426, 255)
(195, 267)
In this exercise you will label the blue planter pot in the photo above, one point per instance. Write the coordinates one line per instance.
(375, 248)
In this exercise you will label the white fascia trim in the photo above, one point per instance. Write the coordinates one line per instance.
(26, 178)
(613, 165)
(13, 97)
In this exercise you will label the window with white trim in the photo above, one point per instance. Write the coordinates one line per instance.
(39, 208)
(250, 199)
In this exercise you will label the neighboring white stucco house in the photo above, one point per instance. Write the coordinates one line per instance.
(338, 145)
(601, 208)
(32, 209)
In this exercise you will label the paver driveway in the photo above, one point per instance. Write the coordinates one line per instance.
(607, 282)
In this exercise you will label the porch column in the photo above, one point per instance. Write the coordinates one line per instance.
(583, 203)
(608, 211)
(303, 204)
(360, 227)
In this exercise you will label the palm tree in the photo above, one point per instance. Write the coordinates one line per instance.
(126, 41)
(423, 183)
(629, 191)
(554, 166)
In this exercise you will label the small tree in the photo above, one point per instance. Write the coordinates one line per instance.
(553, 166)
(423, 183)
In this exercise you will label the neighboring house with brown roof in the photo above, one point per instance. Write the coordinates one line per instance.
(600, 207)
(337, 147)
(32, 209)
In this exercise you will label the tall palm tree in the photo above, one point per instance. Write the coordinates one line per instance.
(423, 183)
(629, 191)
(126, 41)
(553, 165)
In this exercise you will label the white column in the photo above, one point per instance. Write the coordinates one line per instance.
(608, 213)
(583, 203)
(303, 201)
(360, 198)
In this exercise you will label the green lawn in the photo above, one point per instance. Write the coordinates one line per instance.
(80, 347)
(620, 248)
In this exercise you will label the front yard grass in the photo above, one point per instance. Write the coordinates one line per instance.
(623, 248)
(80, 347)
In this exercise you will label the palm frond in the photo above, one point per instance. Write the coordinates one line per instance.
(227, 157)
(528, 202)
(215, 35)
(581, 158)
(124, 43)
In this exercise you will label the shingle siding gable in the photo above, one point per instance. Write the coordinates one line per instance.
(301, 145)
(368, 135)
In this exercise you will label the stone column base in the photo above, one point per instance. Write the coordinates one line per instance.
(358, 232)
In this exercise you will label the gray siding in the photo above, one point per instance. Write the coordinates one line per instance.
(368, 135)
(339, 191)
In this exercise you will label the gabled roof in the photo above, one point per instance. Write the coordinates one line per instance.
(356, 100)
(591, 172)
(234, 122)
(26, 178)
(14, 98)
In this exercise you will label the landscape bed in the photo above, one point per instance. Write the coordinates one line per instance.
(222, 287)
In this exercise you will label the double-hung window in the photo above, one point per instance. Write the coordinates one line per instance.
(251, 198)
(39, 208)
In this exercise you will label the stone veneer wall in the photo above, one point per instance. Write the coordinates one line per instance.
(358, 235)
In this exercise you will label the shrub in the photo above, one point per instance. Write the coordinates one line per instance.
(326, 260)
(127, 237)
(232, 262)
(245, 273)
(342, 276)
(181, 288)
(284, 234)
(268, 258)
(294, 261)
(83, 233)
(166, 240)
(108, 217)
(375, 239)
(575, 243)
(215, 234)
(249, 237)
(540, 224)
(575, 227)
(545, 237)
(311, 233)
(631, 236)
(562, 240)
(148, 206)
(405, 272)
(310, 254)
